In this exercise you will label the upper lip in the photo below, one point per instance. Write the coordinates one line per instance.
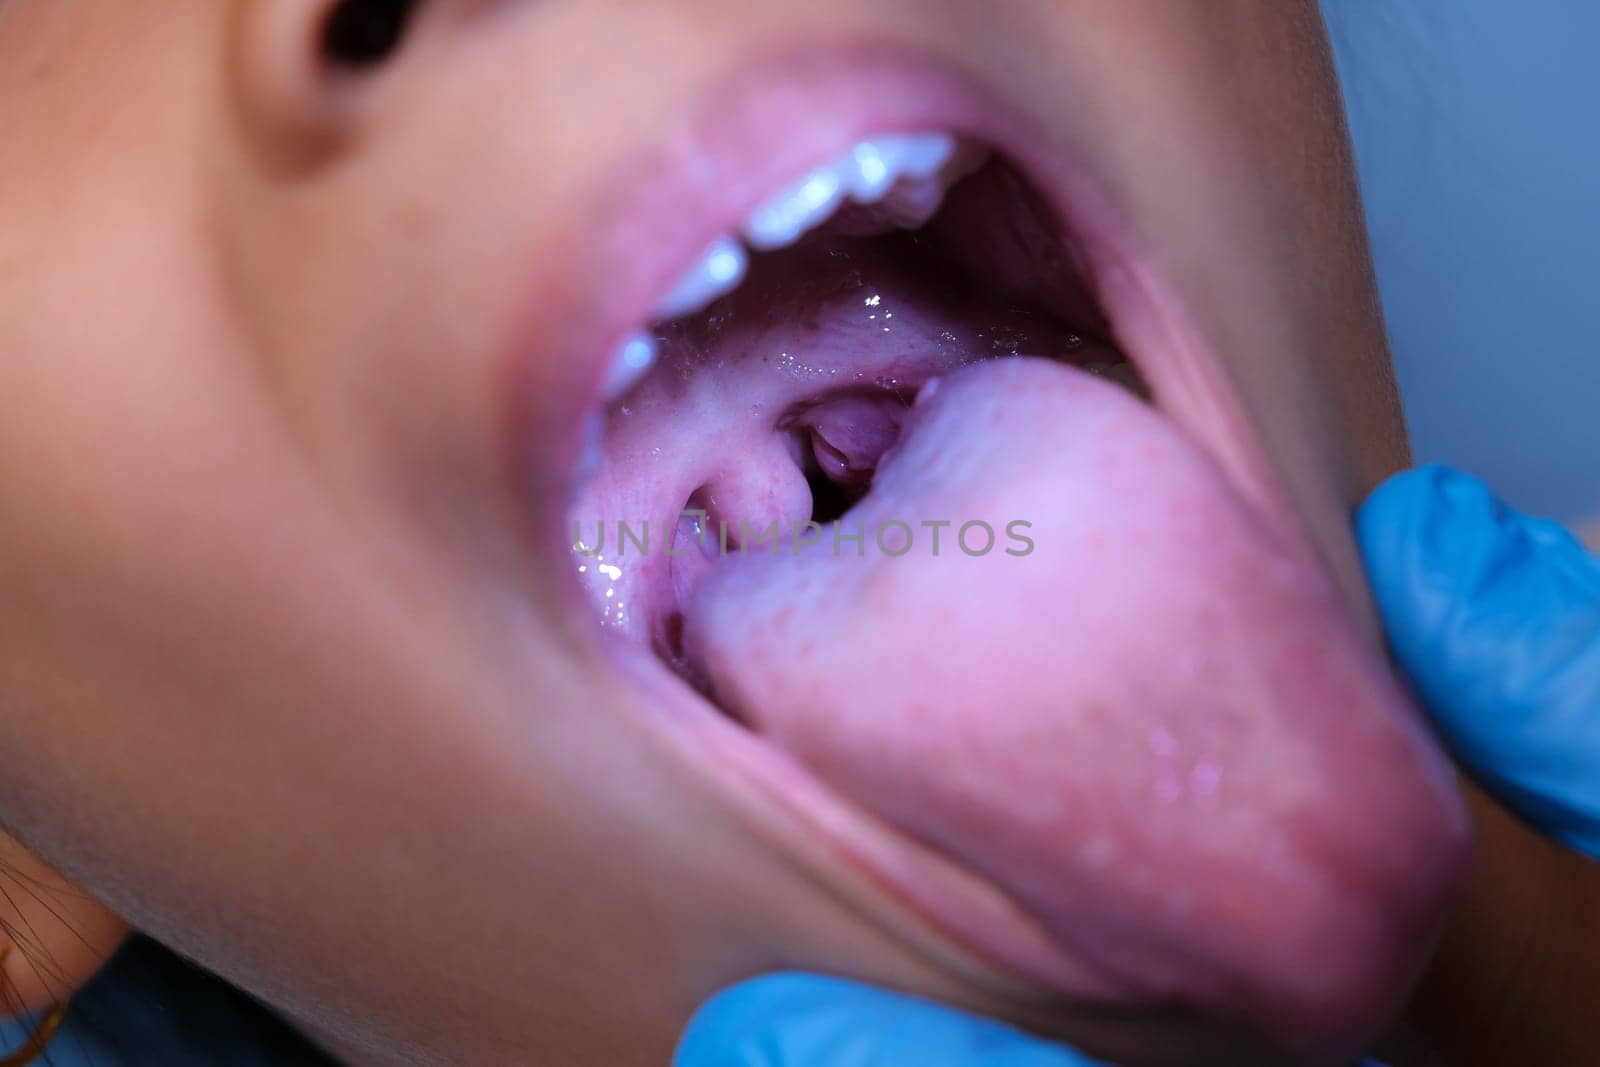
(698, 183)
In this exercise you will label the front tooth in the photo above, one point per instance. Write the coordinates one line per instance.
(875, 169)
(929, 166)
(632, 361)
(889, 164)
(913, 204)
(872, 172)
(781, 221)
(922, 155)
(719, 272)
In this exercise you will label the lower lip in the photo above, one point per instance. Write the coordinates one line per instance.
(766, 124)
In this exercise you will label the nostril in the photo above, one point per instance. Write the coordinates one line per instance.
(362, 33)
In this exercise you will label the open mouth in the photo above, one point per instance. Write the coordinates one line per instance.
(878, 490)
(753, 415)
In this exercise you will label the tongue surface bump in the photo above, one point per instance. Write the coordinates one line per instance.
(1158, 729)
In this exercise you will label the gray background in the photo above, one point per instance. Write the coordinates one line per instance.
(1477, 129)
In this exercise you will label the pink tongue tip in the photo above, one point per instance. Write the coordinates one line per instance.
(1138, 709)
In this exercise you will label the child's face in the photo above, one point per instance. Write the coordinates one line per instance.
(296, 671)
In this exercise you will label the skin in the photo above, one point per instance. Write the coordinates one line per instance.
(283, 683)
(55, 936)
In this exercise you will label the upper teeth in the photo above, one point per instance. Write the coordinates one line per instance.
(633, 361)
(905, 176)
(867, 173)
(717, 273)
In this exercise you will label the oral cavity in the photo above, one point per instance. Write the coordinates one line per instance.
(884, 183)
(777, 404)
(1148, 718)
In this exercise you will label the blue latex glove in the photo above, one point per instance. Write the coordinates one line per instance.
(1495, 617)
(802, 1020)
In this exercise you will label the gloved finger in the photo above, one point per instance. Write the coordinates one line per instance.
(1495, 617)
(800, 1020)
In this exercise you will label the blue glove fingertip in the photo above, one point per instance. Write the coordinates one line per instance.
(1495, 618)
(801, 1020)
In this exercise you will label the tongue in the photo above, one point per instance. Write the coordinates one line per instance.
(1062, 651)
(1077, 662)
